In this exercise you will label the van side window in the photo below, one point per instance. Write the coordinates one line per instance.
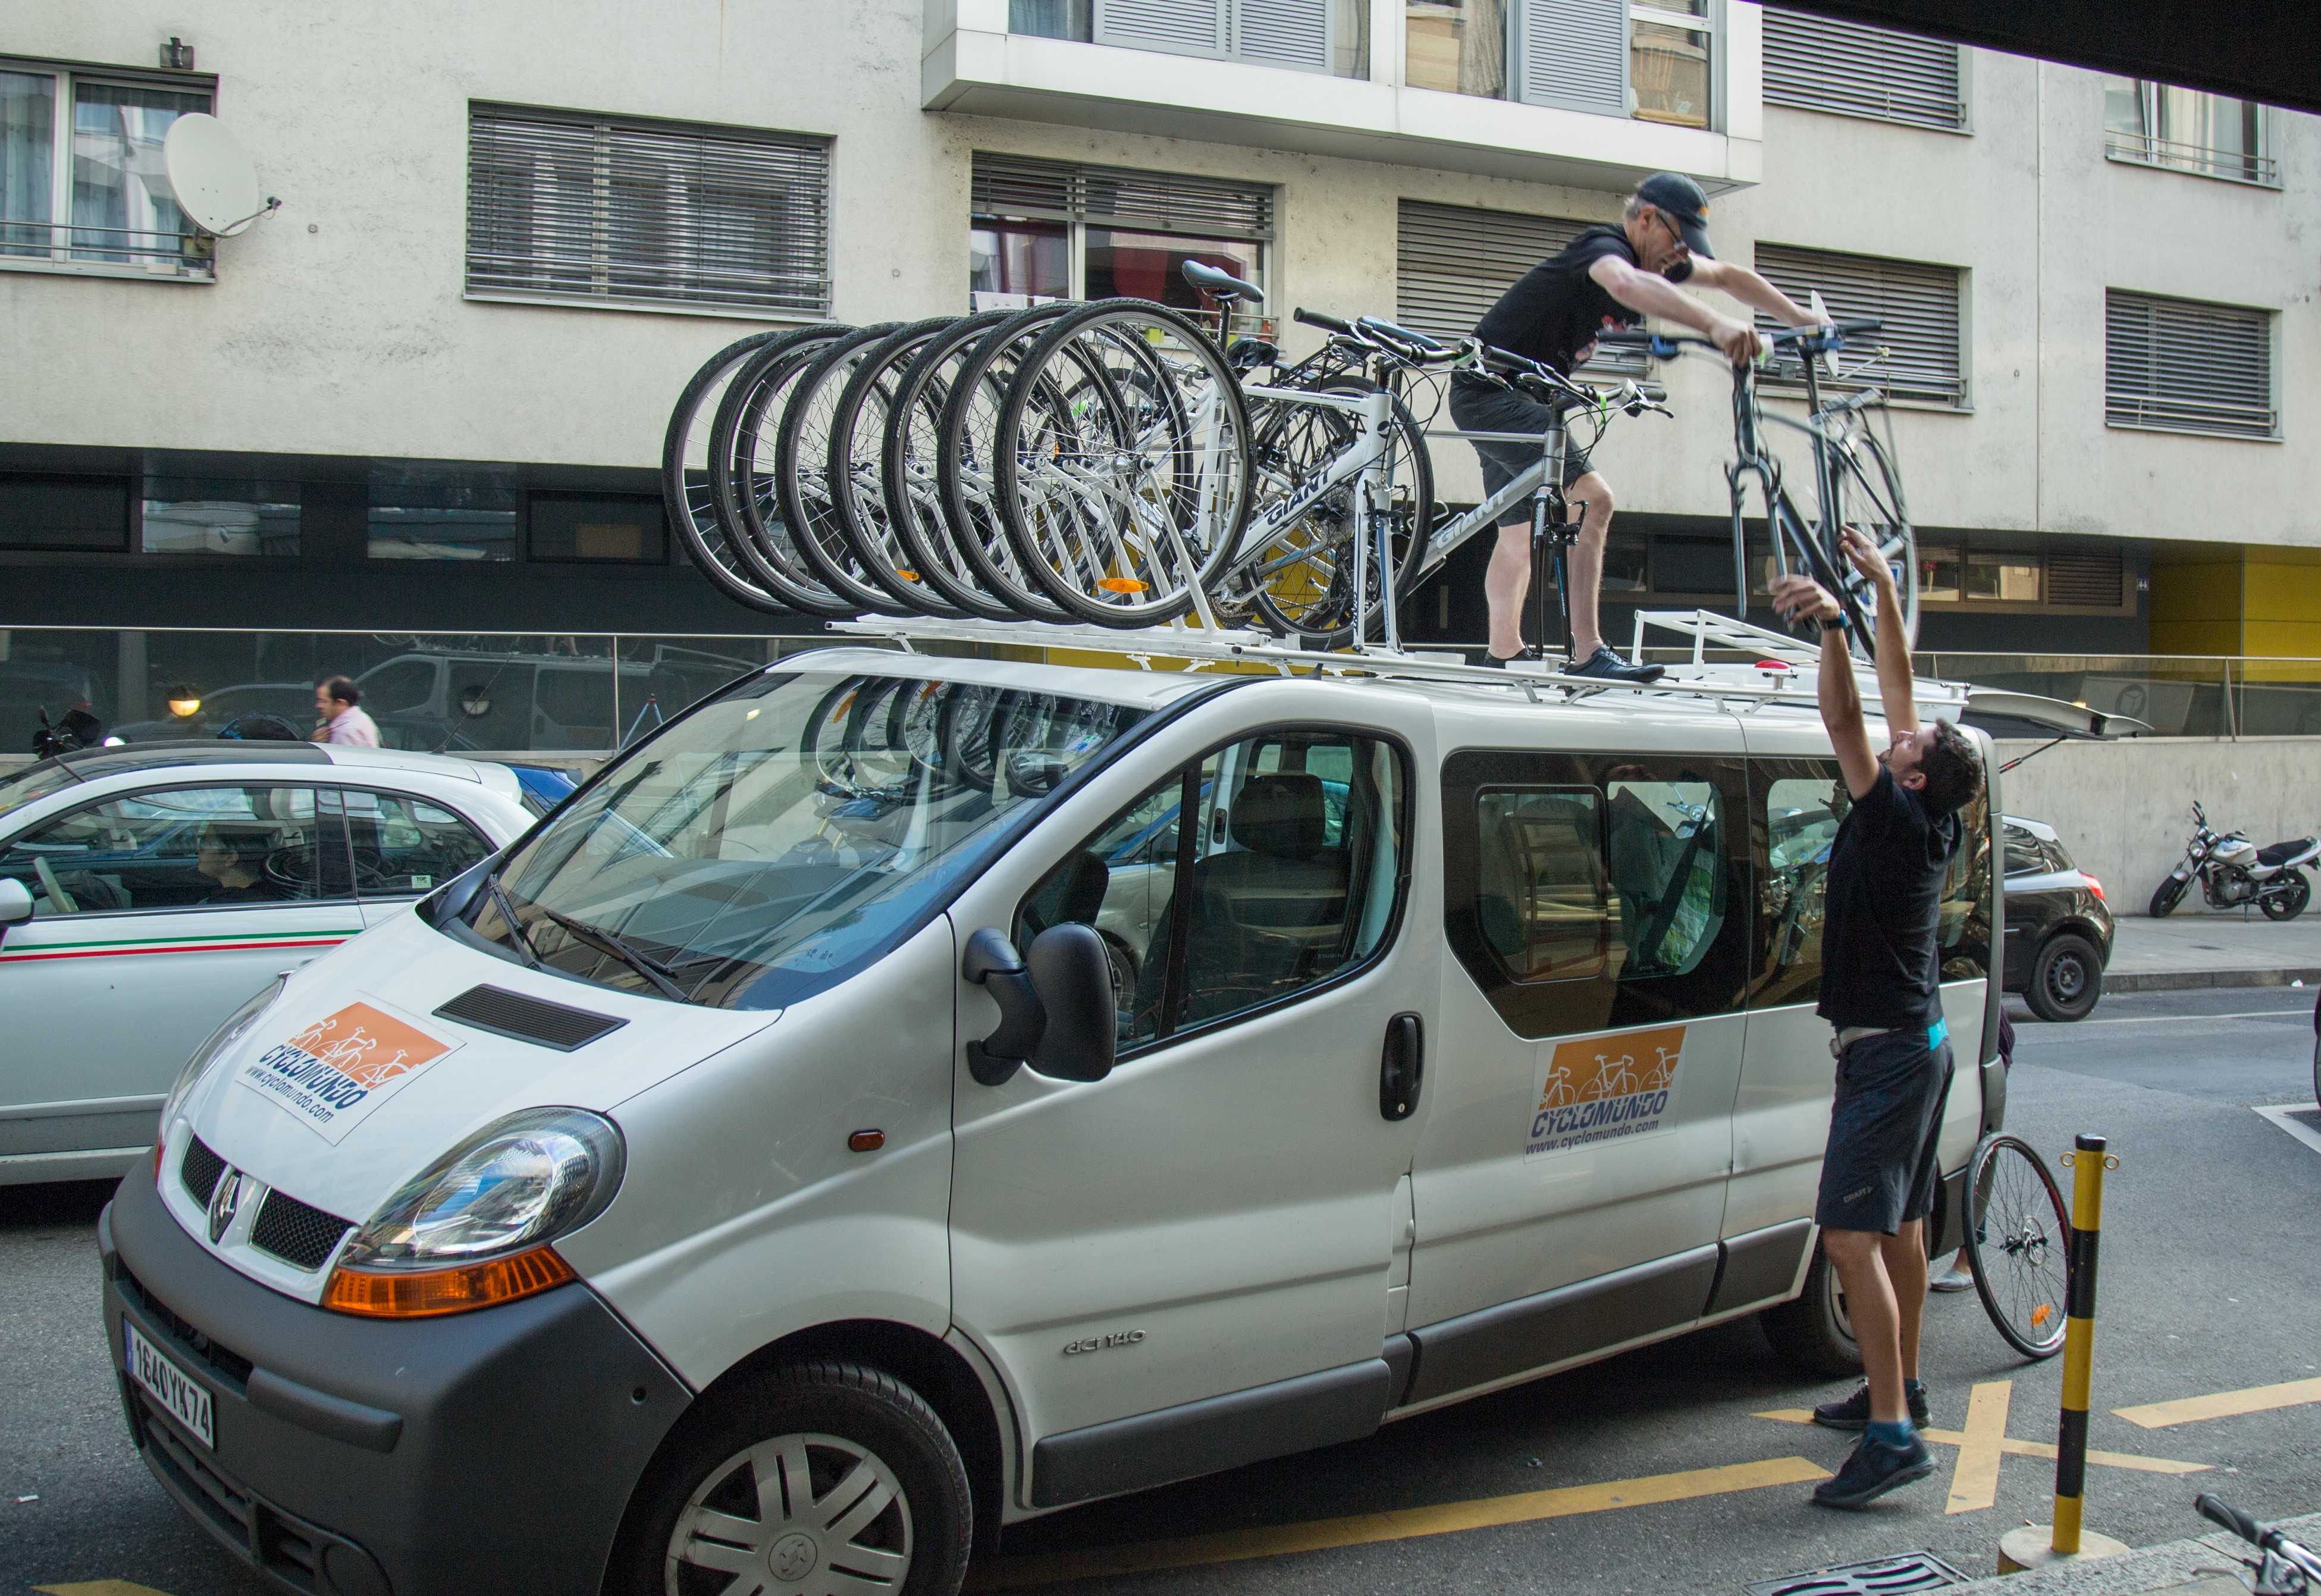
(1545, 902)
(1288, 876)
(1801, 819)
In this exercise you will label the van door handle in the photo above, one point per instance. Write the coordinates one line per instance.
(1400, 1066)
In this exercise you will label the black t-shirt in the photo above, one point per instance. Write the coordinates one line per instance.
(1556, 309)
(1879, 965)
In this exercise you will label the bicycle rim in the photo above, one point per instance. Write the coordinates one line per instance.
(965, 475)
(908, 448)
(745, 498)
(688, 494)
(858, 430)
(802, 482)
(1870, 496)
(2019, 1245)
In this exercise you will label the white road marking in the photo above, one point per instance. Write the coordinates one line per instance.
(2278, 1113)
(2200, 1019)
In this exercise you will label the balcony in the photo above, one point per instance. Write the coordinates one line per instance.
(1587, 94)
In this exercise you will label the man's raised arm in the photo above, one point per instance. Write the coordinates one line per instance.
(1800, 597)
(1897, 681)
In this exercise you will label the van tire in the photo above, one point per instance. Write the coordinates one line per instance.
(847, 1407)
(1813, 1331)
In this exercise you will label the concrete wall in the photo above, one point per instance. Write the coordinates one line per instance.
(2125, 809)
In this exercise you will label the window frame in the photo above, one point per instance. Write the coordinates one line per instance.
(198, 260)
(405, 796)
(2113, 399)
(322, 791)
(1181, 908)
(1711, 23)
(2161, 154)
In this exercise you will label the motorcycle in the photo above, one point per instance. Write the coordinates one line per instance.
(79, 729)
(2235, 873)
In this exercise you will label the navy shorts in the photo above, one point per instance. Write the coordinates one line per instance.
(1478, 408)
(1882, 1167)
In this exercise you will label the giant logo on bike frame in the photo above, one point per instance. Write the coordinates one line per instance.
(1597, 1089)
(335, 1073)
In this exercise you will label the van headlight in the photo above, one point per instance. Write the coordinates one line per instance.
(474, 1228)
(237, 1025)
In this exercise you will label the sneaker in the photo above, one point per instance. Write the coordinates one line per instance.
(1488, 660)
(1852, 1413)
(1607, 666)
(1873, 1471)
(1955, 1280)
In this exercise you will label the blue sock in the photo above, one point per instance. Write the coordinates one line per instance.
(1896, 1434)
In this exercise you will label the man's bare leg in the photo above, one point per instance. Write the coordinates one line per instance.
(1859, 1255)
(1904, 1254)
(1506, 585)
(1588, 562)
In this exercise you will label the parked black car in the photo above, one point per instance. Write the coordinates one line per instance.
(2059, 928)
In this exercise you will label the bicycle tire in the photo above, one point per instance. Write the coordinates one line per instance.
(2018, 1240)
(906, 468)
(801, 483)
(1413, 512)
(858, 432)
(688, 494)
(756, 392)
(964, 469)
(1144, 512)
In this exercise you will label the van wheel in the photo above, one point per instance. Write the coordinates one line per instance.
(812, 1478)
(1813, 1332)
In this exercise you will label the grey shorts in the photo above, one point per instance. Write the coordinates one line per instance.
(1882, 1167)
(1479, 408)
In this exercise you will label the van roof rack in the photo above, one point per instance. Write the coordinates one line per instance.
(1780, 673)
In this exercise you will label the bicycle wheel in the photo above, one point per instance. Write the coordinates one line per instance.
(906, 467)
(752, 410)
(1123, 457)
(2019, 1241)
(1302, 573)
(858, 432)
(964, 463)
(1870, 496)
(802, 483)
(686, 489)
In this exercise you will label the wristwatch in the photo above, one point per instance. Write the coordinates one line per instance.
(1834, 624)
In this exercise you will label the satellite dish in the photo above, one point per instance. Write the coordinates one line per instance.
(211, 178)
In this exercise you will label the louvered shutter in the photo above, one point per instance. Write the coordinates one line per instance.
(1283, 32)
(1119, 196)
(593, 209)
(1573, 54)
(2182, 366)
(1188, 27)
(1823, 63)
(1917, 303)
(1453, 262)
(2089, 579)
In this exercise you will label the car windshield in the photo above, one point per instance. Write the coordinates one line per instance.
(35, 781)
(780, 838)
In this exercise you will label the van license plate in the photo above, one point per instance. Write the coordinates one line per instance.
(172, 1386)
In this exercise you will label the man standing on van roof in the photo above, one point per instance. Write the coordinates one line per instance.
(1607, 277)
(1879, 988)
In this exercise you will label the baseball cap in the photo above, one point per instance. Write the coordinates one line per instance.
(1681, 199)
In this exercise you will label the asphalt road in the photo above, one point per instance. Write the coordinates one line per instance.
(2209, 1283)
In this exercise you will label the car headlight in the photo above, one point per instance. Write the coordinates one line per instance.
(237, 1025)
(473, 1227)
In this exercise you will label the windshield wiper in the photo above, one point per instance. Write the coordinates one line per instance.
(651, 969)
(517, 937)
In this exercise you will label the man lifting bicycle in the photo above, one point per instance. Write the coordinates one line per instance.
(1607, 277)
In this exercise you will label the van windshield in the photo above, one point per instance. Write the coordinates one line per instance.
(774, 842)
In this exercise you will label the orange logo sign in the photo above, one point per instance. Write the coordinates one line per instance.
(368, 1047)
(1593, 1068)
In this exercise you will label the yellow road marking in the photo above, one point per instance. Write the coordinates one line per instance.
(100, 1588)
(2225, 1404)
(2014, 1448)
(1234, 1545)
(1974, 1481)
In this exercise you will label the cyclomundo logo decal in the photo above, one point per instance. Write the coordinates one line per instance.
(335, 1075)
(1599, 1087)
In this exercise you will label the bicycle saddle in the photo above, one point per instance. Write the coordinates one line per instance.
(1224, 284)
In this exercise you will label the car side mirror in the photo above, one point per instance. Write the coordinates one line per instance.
(1057, 1013)
(16, 904)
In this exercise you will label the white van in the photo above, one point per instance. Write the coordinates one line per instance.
(904, 1096)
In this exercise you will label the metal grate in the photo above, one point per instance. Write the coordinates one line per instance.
(528, 1019)
(1886, 1576)
(2091, 578)
(1117, 196)
(1453, 262)
(199, 1171)
(2183, 366)
(596, 209)
(1918, 303)
(297, 1233)
(1826, 63)
(1574, 54)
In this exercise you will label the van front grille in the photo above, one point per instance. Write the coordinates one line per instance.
(199, 1171)
(296, 1232)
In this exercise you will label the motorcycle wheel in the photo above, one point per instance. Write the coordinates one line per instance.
(2171, 894)
(2289, 902)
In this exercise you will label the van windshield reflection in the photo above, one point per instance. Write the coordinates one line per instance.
(775, 841)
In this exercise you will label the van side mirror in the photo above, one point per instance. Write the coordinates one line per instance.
(1057, 1012)
(16, 904)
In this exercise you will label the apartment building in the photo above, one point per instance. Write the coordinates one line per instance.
(428, 393)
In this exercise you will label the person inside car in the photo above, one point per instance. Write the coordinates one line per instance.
(236, 862)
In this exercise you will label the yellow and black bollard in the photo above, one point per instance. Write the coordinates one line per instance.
(2020, 1549)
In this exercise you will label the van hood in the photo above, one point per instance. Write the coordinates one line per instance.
(356, 1080)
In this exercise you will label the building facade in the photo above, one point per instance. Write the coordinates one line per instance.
(428, 393)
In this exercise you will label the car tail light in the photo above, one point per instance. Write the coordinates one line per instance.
(2095, 887)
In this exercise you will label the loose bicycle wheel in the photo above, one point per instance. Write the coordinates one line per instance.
(803, 485)
(1301, 574)
(1123, 456)
(965, 462)
(748, 416)
(858, 432)
(908, 456)
(2019, 1241)
(686, 488)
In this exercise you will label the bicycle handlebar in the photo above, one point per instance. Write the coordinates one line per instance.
(2218, 1510)
(1414, 348)
(1328, 324)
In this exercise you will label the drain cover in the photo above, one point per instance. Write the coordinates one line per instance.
(1887, 1576)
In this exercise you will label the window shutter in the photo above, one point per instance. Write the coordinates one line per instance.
(1117, 196)
(1452, 264)
(1573, 54)
(1918, 303)
(1188, 27)
(1822, 63)
(2181, 366)
(2091, 578)
(593, 209)
(1283, 32)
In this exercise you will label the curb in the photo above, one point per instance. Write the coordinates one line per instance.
(2190, 981)
(2144, 1572)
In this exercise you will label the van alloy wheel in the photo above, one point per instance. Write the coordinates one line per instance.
(799, 1513)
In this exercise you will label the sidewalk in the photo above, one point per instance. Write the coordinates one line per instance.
(2188, 1567)
(2191, 949)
